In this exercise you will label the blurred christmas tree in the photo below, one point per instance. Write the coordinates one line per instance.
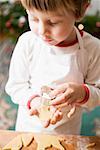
(13, 20)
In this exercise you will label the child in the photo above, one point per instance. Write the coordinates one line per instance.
(57, 55)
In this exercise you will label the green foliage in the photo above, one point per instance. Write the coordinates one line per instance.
(11, 22)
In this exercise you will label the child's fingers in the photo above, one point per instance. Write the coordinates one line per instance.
(63, 98)
(62, 105)
(46, 123)
(69, 102)
(54, 93)
(60, 116)
(56, 117)
(34, 112)
(52, 109)
(71, 112)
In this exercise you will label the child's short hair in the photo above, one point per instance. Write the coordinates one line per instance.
(75, 6)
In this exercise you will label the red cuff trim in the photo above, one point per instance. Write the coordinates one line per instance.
(86, 95)
(29, 101)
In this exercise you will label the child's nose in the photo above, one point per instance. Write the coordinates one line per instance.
(42, 29)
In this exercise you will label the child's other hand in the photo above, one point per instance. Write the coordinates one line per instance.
(56, 116)
(35, 106)
(67, 93)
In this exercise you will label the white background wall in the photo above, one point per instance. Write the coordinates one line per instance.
(94, 7)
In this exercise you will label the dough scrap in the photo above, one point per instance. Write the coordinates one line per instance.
(68, 146)
(14, 144)
(27, 139)
(90, 145)
(45, 141)
(20, 141)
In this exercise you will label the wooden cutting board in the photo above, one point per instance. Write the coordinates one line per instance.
(79, 142)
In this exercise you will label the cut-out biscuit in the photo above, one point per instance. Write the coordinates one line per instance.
(32, 146)
(22, 140)
(45, 113)
(14, 144)
(67, 146)
(27, 139)
(45, 141)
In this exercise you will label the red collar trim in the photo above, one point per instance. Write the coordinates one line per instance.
(70, 44)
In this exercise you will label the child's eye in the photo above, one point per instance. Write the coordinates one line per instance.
(52, 23)
(35, 19)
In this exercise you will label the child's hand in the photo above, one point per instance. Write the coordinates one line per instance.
(35, 106)
(67, 93)
(50, 115)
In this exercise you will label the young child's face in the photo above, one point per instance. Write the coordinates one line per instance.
(52, 27)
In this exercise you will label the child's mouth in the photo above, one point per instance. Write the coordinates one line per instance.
(48, 40)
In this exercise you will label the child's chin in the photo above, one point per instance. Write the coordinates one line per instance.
(51, 43)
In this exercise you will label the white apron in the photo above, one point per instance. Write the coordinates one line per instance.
(56, 69)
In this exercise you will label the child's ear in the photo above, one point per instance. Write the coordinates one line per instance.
(86, 5)
(82, 13)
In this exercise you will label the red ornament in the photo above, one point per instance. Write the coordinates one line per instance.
(8, 24)
(98, 24)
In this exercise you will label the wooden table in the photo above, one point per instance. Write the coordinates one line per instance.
(80, 142)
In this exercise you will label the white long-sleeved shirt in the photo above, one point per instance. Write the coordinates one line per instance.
(35, 64)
